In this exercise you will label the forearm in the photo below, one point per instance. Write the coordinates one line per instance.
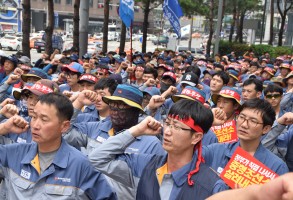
(271, 137)
(250, 193)
(104, 158)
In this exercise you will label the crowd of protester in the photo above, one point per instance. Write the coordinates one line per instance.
(141, 125)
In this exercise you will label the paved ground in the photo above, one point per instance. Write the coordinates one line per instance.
(112, 45)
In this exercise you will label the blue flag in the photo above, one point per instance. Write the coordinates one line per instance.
(126, 11)
(173, 12)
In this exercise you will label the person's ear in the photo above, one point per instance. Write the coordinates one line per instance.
(65, 126)
(196, 137)
(266, 129)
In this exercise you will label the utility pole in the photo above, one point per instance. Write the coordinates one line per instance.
(219, 22)
(83, 27)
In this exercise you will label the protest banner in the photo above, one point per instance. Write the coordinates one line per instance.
(244, 170)
(226, 132)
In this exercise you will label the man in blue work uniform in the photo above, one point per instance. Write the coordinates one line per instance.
(180, 174)
(49, 168)
(31, 94)
(125, 109)
(255, 120)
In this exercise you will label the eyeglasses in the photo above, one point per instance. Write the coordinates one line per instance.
(270, 96)
(70, 74)
(118, 105)
(101, 74)
(167, 124)
(251, 122)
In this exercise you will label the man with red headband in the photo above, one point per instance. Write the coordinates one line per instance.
(181, 174)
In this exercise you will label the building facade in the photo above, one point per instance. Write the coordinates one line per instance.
(10, 15)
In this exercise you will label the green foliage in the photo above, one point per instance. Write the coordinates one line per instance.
(226, 47)
(193, 7)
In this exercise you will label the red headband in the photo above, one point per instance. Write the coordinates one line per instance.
(189, 122)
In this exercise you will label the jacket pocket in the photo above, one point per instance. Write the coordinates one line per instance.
(21, 182)
(59, 190)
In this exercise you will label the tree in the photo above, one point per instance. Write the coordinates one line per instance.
(76, 23)
(105, 25)
(243, 6)
(233, 21)
(147, 6)
(211, 23)
(287, 5)
(272, 24)
(190, 8)
(50, 27)
(122, 38)
(26, 27)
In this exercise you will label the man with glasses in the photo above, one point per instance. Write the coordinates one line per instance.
(125, 109)
(180, 174)
(72, 73)
(255, 120)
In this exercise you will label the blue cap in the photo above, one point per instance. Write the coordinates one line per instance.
(35, 72)
(74, 57)
(74, 67)
(130, 95)
(119, 60)
(152, 91)
(138, 62)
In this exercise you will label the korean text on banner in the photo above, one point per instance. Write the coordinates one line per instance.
(244, 170)
(126, 11)
(173, 12)
(226, 132)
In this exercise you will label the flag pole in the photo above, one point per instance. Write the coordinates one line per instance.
(131, 43)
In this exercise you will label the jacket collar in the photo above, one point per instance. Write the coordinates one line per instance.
(60, 159)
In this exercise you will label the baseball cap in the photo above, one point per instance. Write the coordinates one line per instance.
(25, 60)
(74, 57)
(233, 73)
(17, 92)
(12, 59)
(88, 78)
(152, 91)
(227, 92)
(43, 86)
(170, 75)
(189, 79)
(34, 72)
(116, 77)
(74, 67)
(191, 93)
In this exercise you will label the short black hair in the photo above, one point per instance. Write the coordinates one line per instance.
(258, 84)
(104, 83)
(273, 88)
(267, 111)
(223, 75)
(62, 104)
(201, 115)
(194, 69)
(150, 70)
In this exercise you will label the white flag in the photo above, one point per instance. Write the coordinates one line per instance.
(185, 30)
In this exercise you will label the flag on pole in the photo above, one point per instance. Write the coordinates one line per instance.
(173, 12)
(185, 30)
(126, 11)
